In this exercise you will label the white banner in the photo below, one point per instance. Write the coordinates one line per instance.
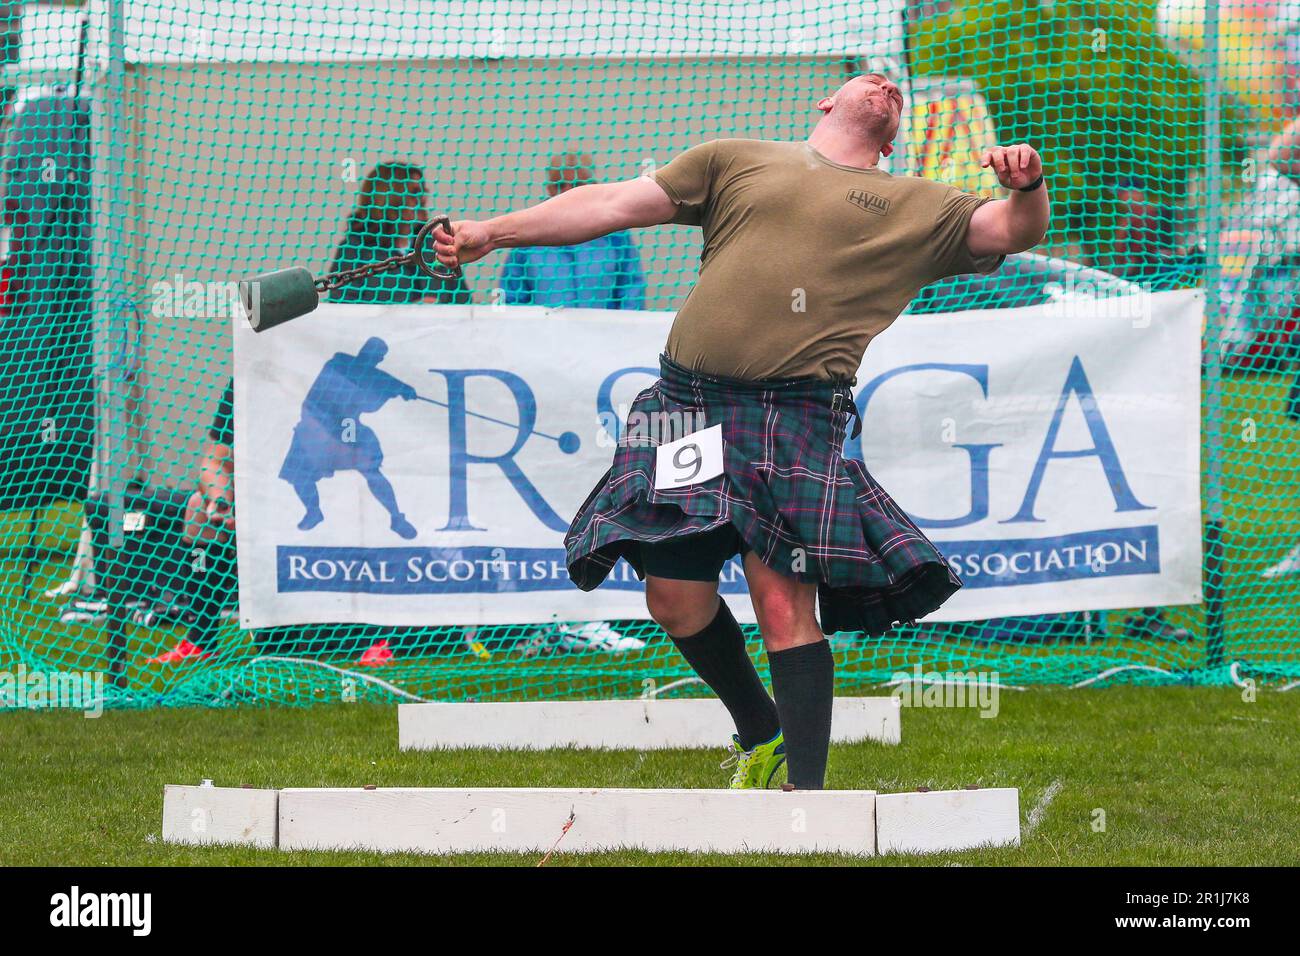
(1051, 452)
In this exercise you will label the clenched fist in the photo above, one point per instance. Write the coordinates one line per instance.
(468, 242)
(1016, 165)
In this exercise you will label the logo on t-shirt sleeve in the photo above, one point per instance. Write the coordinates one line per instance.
(869, 201)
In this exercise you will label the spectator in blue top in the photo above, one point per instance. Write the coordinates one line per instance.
(604, 273)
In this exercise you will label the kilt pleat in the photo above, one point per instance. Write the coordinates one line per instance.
(804, 509)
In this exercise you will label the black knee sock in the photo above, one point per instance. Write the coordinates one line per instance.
(803, 680)
(718, 655)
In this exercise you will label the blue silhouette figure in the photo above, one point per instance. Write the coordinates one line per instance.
(331, 438)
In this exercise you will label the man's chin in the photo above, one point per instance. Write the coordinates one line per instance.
(879, 131)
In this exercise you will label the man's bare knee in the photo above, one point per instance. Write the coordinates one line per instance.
(778, 610)
(785, 608)
(681, 608)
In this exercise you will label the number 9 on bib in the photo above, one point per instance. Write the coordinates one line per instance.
(689, 461)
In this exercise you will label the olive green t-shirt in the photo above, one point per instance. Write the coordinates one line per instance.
(805, 261)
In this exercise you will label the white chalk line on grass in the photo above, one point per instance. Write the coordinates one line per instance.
(1235, 674)
(367, 678)
(930, 682)
(1116, 670)
(650, 690)
(1040, 808)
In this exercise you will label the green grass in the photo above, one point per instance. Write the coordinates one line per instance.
(1185, 776)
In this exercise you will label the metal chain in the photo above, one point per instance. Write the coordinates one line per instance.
(337, 279)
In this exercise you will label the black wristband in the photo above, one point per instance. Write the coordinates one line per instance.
(1032, 186)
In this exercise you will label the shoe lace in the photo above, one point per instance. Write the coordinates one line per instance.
(740, 759)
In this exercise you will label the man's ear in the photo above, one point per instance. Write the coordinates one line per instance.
(886, 149)
(825, 104)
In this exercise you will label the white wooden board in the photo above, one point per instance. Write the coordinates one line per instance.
(447, 820)
(615, 724)
(947, 820)
(200, 815)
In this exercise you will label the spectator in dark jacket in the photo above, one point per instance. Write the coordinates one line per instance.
(392, 206)
(208, 541)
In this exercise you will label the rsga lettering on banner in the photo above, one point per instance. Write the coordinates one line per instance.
(1053, 458)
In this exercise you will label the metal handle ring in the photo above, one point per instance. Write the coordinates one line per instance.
(436, 270)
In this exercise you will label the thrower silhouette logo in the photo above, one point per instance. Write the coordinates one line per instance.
(330, 437)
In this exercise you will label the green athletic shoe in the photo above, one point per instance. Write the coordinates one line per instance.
(755, 768)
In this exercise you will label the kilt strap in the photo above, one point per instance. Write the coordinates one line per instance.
(842, 401)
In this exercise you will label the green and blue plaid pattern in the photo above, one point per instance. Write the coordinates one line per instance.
(804, 509)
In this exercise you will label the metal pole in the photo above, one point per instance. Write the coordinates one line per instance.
(1213, 441)
(107, 89)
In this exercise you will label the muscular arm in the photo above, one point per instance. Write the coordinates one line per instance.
(1018, 222)
(572, 217)
(1009, 225)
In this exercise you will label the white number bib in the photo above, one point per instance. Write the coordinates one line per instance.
(690, 460)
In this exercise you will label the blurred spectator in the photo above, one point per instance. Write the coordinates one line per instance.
(392, 206)
(1141, 252)
(1260, 258)
(208, 538)
(1141, 246)
(176, 563)
(47, 361)
(182, 565)
(1138, 234)
(604, 273)
(1284, 154)
(1288, 37)
(1284, 151)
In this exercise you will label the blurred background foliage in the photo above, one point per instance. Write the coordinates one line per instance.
(1097, 90)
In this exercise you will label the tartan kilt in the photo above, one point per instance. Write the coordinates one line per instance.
(804, 509)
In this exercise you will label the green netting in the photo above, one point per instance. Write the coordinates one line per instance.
(157, 142)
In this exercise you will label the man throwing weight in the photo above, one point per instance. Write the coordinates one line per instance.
(810, 251)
